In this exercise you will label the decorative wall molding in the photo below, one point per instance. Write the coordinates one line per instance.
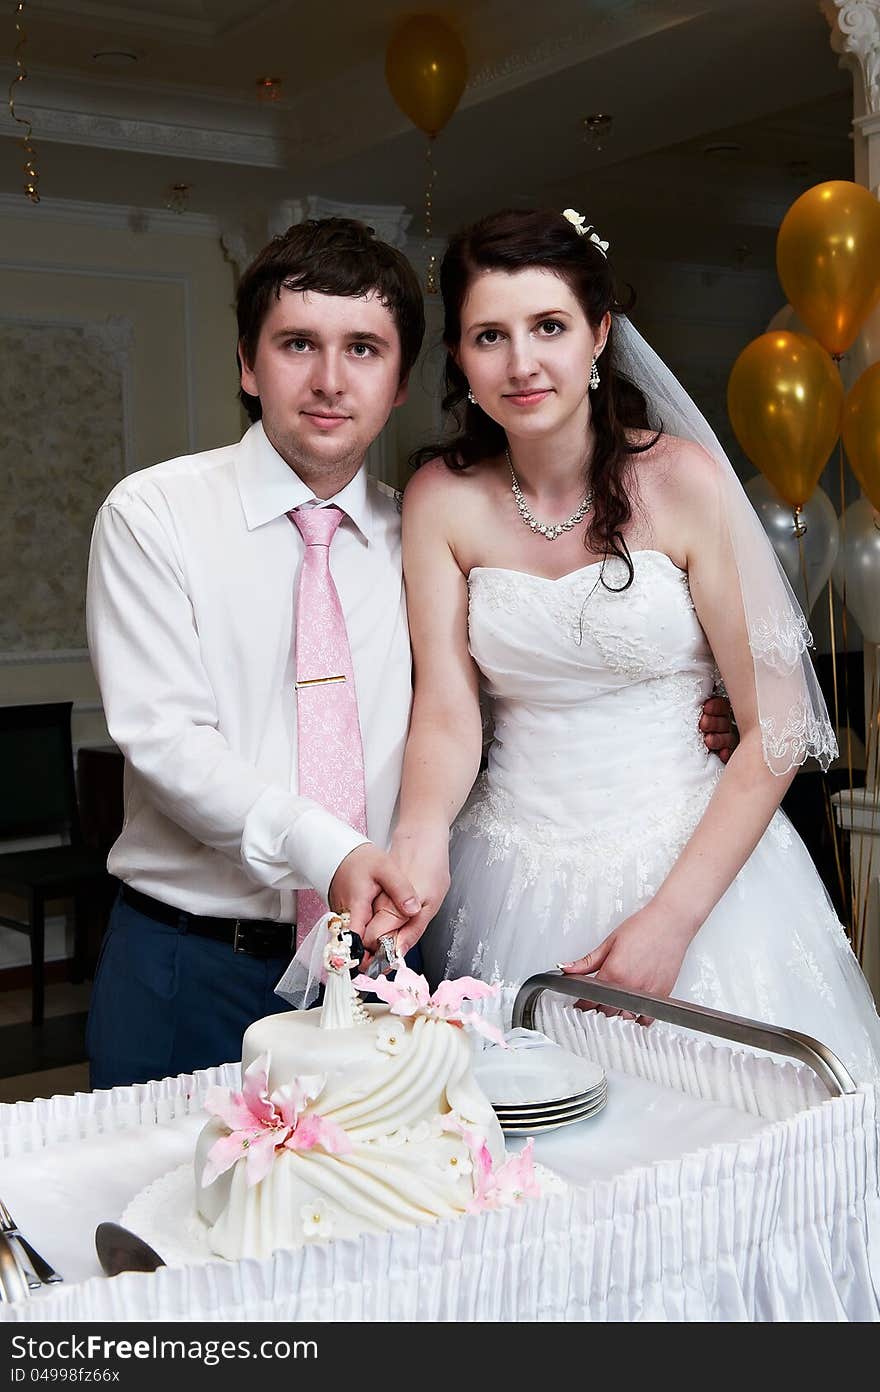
(855, 35)
(114, 216)
(61, 453)
(182, 279)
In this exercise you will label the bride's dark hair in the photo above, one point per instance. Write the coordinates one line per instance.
(514, 240)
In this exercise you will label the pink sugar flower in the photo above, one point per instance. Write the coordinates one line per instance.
(260, 1125)
(409, 994)
(511, 1183)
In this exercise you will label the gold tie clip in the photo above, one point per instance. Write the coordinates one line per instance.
(317, 681)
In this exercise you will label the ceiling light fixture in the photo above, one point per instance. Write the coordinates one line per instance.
(723, 150)
(596, 127)
(177, 198)
(115, 57)
(269, 88)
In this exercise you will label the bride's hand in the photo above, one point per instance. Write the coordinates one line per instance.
(424, 859)
(643, 954)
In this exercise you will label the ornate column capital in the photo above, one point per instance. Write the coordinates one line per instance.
(388, 220)
(855, 35)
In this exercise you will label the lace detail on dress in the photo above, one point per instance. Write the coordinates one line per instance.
(802, 735)
(638, 849)
(805, 965)
(582, 606)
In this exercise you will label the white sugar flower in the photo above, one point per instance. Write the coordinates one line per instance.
(316, 1219)
(391, 1036)
(420, 1132)
(457, 1162)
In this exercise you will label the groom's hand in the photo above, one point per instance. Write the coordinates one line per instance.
(717, 727)
(365, 873)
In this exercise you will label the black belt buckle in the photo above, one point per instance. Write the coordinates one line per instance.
(257, 939)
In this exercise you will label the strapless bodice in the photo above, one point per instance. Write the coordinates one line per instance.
(595, 692)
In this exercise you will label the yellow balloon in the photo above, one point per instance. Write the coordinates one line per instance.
(784, 399)
(426, 70)
(861, 432)
(828, 259)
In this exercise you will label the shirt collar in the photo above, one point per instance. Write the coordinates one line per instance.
(269, 488)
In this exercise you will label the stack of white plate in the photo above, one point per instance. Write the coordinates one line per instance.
(547, 1116)
(534, 1085)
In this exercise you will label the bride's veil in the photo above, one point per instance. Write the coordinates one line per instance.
(792, 712)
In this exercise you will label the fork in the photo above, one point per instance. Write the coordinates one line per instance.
(45, 1274)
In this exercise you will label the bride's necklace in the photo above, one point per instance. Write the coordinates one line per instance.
(550, 530)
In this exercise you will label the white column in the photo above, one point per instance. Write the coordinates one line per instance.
(855, 35)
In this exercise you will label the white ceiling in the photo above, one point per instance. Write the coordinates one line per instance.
(676, 75)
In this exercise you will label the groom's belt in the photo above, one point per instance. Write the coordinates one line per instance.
(256, 937)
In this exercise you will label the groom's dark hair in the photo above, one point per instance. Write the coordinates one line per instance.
(332, 256)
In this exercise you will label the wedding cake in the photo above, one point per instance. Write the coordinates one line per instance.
(354, 1118)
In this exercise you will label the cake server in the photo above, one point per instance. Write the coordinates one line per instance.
(45, 1274)
(120, 1250)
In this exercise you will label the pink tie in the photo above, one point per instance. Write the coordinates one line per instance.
(330, 751)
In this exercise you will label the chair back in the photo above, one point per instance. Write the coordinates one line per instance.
(37, 787)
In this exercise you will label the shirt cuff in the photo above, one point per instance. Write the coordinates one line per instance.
(318, 845)
(290, 842)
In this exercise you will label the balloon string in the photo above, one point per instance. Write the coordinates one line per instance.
(864, 871)
(30, 167)
(431, 274)
(800, 532)
(829, 811)
(845, 641)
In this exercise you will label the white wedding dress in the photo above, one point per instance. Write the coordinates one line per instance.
(597, 777)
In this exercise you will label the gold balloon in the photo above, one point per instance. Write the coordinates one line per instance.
(828, 259)
(784, 399)
(426, 70)
(861, 432)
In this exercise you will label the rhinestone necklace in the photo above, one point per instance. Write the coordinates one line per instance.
(550, 530)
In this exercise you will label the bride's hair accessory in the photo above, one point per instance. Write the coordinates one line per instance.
(585, 229)
(550, 530)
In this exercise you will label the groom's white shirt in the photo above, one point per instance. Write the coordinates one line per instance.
(192, 578)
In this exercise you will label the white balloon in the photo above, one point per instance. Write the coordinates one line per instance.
(813, 552)
(858, 564)
(864, 352)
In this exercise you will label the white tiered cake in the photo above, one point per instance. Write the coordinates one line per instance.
(353, 1119)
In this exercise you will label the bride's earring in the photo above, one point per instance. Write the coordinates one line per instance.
(471, 398)
(594, 375)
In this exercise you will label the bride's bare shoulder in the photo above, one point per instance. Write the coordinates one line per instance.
(667, 465)
(437, 485)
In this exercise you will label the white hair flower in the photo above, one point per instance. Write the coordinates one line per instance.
(585, 229)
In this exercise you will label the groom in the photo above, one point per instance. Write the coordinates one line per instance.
(247, 628)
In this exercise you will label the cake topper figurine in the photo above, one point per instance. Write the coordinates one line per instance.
(343, 954)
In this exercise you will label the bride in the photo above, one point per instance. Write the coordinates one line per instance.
(583, 551)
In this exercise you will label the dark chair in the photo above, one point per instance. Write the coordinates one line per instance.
(38, 799)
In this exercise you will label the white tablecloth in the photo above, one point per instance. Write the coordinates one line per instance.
(715, 1185)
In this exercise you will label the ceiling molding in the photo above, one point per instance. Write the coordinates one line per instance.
(114, 216)
(151, 137)
(182, 28)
